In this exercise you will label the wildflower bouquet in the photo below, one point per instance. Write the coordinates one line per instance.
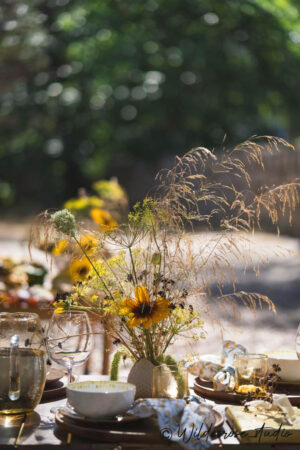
(155, 286)
(133, 292)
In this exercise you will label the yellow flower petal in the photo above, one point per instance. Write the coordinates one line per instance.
(148, 322)
(100, 216)
(127, 305)
(142, 294)
(59, 310)
(89, 243)
(79, 269)
(134, 322)
(141, 312)
(59, 303)
(60, 247)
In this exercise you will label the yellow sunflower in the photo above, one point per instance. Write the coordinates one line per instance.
(60, 247)
(79, 269)
(103, 218)
(89, 243)
(143, 312)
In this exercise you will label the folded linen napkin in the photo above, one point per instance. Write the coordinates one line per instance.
(220, 371)
(185, 421)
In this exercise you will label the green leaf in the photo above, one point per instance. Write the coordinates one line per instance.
(156, 259)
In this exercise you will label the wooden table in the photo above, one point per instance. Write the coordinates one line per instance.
(41, 432)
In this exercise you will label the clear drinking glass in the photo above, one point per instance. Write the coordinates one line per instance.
(22, 362)
(298, 342)
(250, 370)
(69, 339)
(170, 381)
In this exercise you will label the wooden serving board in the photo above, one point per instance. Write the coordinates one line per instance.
(205, 389)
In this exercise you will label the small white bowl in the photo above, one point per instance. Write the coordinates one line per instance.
(100, 399)
(288, 362)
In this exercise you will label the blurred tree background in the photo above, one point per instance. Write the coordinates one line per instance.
(96, 88)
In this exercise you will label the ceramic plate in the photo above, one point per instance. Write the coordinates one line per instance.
(70, 413)
(54, 375)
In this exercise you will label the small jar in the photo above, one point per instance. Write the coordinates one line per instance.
(170, 381)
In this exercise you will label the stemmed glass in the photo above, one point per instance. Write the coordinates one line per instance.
(69, 339)
(298, 342)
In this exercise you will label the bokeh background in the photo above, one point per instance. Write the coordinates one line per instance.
(93, 89)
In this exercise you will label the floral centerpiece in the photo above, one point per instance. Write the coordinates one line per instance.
(156, 285)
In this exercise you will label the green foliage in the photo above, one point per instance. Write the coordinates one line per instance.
(114, 368)
(90, 85)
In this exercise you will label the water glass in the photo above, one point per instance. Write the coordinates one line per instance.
(69, 339)
(22, 362)
(251, 370)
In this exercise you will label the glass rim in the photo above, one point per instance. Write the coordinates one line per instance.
(69, 311)
(19, 315)
(171, 367)
(251, 356)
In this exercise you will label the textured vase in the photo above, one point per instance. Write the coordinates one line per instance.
(141, 375)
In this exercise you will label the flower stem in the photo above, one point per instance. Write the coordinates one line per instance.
(69, 369)
(149, 347)
(133, 266)
(93, 266)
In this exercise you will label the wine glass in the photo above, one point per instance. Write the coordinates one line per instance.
(298, 342)
(69, 339)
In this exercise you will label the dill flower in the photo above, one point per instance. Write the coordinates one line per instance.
(141, 311)
(79, 269)
(64, 222)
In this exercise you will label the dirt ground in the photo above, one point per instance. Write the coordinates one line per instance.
(279, 279)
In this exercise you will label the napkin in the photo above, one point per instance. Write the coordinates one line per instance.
(185, 421)
(220, 372)
(205, 366)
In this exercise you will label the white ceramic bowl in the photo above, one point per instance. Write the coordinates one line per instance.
(99, 399)
(288, 362)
